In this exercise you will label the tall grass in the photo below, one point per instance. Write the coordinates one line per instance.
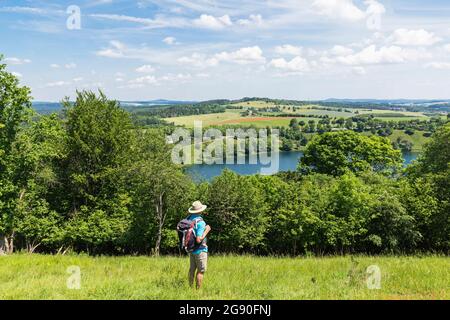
(24, 276)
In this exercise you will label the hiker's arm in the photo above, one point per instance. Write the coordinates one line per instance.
(205, 233)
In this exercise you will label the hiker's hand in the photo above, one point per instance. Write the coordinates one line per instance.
(208, 228)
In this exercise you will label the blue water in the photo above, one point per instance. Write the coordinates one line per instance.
(288, 162)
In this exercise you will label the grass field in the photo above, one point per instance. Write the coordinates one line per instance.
(207, 119)
(233, 117)
(24, 276)
(417, 139)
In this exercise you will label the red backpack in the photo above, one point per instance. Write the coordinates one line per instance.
(186, 234)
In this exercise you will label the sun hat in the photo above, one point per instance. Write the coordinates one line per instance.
(197, 207)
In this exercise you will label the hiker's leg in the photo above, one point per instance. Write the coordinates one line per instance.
(199, 279)
(202, 259)
(192, 268)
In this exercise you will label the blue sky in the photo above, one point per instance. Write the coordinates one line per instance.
(207, 49)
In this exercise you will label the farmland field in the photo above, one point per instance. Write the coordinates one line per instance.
(269, 118)
(24, 276)
(207, 119)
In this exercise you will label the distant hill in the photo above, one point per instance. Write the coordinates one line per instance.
(159, 102)
(422, 105)
(43, 107)
(391, 101)
(46, 107)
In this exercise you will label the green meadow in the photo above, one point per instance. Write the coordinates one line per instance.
(310, 112)
(25, 276)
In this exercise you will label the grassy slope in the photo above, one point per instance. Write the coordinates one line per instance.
(417, 139)
(229, 277)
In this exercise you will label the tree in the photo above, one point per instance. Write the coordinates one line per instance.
(293, 123)
(40, 148)
(287, 145)
(99, 140)
(435, 157)
(337, 152)
(239, 219)
(15, 109)
(160, 188)
(349, 123)
(426, 193)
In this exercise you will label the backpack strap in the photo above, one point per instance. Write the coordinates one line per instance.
(196, 220)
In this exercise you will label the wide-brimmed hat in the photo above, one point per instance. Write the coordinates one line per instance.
(197, 207)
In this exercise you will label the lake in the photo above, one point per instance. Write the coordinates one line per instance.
(288, 162)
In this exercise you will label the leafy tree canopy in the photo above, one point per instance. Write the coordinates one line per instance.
(335, 153)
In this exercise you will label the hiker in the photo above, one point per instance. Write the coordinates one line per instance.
(193, 231)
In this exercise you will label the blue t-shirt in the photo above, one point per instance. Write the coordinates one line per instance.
(199, 230)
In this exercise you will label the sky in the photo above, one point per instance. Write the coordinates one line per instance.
(229, 49)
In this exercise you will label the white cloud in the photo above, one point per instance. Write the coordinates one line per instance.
(297, 64)
(144, 80)
(17, 61)
(447, 47)
(288, 50)
(132, 86)
(160, 21)
(341, 50)
(383, 55)
(146, 68)
(198, 61)
(246, 55)
(57, 84)
(100, 2)
(115, 51)
(93, 85)
(28, 10)
(420, 37)
(77, 79)
(170, 41)
(439, 65)
(119, 80)
(211, 22)
(341, 9)
(346, 10)
(253, 20)
(70, 65)
(54, 66)
(179, 78)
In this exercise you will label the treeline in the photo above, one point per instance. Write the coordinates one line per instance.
(93, 182)
(89, 181)
(348, 196)
(179, 110)
(406, 105)
(294, 136)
